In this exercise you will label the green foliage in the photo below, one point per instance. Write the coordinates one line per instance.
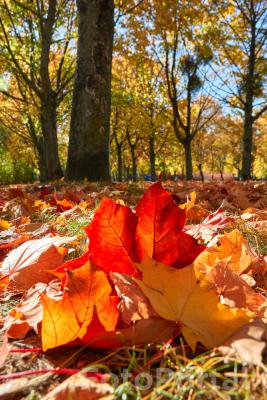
(15, 170)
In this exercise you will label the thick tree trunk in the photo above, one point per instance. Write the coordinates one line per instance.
(88, 155)
(152, 158)
(188, 160)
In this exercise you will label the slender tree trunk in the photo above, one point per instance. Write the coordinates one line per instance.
(247, 140)
(221, 173)
(48, 112)
(41, 158)
(119, 158)
(188, 159)
(88, 155)
(50, 144)
(134, 164)
(152, 158)
(127, 172)
(201, 172)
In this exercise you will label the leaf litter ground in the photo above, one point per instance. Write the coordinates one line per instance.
(234, 210)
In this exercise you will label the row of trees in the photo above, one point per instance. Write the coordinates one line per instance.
(180, 68)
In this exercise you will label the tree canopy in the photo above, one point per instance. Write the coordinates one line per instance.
(175, 88)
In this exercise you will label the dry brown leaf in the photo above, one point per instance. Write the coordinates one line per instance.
(133, 304)
(233, 290)
(34, 228)
(79, 387)
(248, 343)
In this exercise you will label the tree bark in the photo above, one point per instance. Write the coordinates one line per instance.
(52, 168)
(88, 155)
(201, 172)
(48, 111)
(152, 158)
(119, 158)
(188, 159)
(134, 164)
(247, 140)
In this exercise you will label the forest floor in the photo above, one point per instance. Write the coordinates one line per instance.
(151, 371)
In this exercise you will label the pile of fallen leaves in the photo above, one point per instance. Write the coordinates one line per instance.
(147, 276)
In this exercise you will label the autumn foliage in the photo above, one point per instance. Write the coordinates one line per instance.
(142, 280)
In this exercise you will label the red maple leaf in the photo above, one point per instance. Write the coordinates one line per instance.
(159, 230)
(112, 238)
(119, 238)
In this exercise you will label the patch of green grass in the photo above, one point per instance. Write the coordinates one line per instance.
(146, 373)
(6, 306)
(134, 189)
(257, 238)
(74, 226)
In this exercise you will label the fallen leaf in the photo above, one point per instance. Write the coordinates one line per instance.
(133, 305)
(190, 202)
(28, 314)
(233, 290)
(79, 387)
(210, 226)
(4, 224)
(33, 261)
(65, 204)
(16, 388)
(4, 351)
(158, 232)
(34, 228)
(254, 214)
(196, 213)
(19, 207)
(177, 296)
(111, 234)
(69, 318)
(248, 343)
(142, 332)
(231, 247)
(9, 238)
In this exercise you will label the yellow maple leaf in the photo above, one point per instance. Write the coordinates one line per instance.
(4, 224)
(176, 295)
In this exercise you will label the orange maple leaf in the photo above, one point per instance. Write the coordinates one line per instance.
(232, 248)
(69, 318)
